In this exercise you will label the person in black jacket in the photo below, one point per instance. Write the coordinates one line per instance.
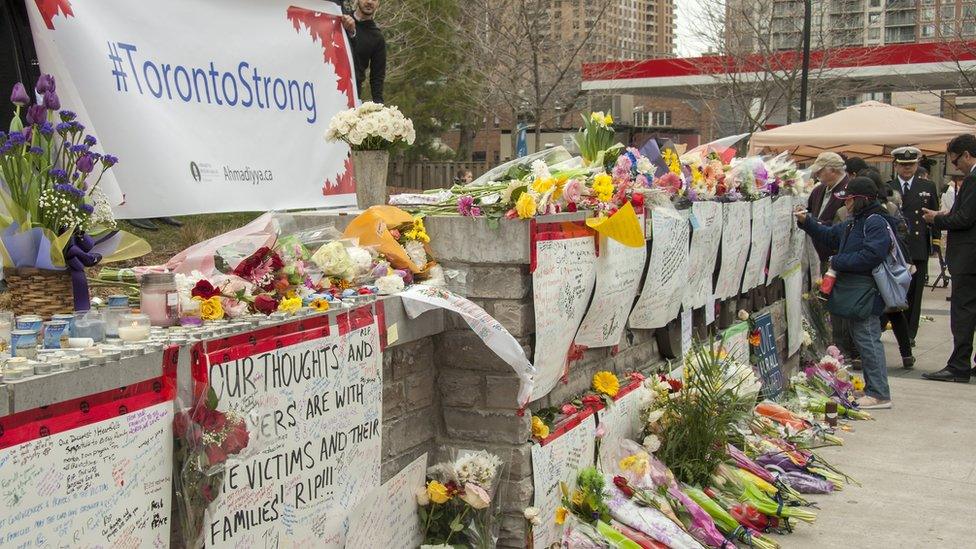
(862, 242)
(368, 49)
(960, 222)
(916, 193)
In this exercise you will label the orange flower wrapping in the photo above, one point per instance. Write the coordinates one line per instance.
(373, 227)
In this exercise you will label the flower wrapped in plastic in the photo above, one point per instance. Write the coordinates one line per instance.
(204, 437)
(460, 503)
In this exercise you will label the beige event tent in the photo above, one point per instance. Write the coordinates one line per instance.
(869, 130)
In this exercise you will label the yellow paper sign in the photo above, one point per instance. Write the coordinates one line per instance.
(622, 226)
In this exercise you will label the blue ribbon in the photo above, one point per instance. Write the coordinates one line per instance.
(77, 256)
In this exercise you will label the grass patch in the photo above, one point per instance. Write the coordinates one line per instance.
(169, 240)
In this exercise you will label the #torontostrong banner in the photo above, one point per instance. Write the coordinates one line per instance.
(211, 106)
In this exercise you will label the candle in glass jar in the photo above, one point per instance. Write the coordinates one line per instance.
(133, 331)
(159, 299)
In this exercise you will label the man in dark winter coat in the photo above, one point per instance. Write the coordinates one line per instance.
(916, 193)
(830, 170)
(960, 221)
(368, 47)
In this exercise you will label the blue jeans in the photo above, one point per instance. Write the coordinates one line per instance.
(867, 336)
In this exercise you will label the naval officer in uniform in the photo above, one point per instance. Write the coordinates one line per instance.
(916, 193)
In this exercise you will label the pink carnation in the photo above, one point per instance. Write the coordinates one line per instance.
(573, 191)
(669, 182)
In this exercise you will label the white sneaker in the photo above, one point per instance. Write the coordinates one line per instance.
(871, 403)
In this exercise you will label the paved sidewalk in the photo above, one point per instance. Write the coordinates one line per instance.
(917, 461)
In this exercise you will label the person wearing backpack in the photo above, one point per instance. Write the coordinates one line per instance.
(862, 243)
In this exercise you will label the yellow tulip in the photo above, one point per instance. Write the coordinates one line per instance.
(525, 207)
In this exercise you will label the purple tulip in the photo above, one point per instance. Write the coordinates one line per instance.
(44, 84)
(51, 101)
(36, 114)
(19, 95)
(85, 164)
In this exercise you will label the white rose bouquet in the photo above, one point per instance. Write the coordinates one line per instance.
(371, 127)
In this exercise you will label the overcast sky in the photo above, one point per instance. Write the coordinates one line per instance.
(689, 42)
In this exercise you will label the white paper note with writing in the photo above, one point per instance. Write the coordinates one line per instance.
(735, 340)
(618, 273)
(686, 331)
(418, 299)
(621, 420)
(703, 253)
(107, 484)
(559, 461)
(762, 212)
(782, 237)
(793, 279)
(561, 286)
(314, 412)
(736, 235)
(667, 271)
(387, 517)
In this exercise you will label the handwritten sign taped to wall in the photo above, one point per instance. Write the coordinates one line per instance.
(667, 271)
(736, 236)
(559, 460)
(762, 214)
(387, 517)
(93, 472)
(562, 284)
(782, 229)
(314, 410)
(618, 274)
(703, 253)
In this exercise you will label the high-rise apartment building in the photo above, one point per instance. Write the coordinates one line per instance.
(870, 22)
(628, 29)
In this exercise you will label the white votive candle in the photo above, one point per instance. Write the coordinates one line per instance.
(133, 332)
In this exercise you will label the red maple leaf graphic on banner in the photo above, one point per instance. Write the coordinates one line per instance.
(327, 30)
(345, 184)
(50, 8)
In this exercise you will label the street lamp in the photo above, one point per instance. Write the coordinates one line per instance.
(805, 74)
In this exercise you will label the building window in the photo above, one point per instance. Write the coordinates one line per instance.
(947, 29)
(927, 14)
(661, 118)
(968, 29)
(875, 34)
(947, 12)
(927, 31)
(875, 3)
(873, 18)
(479, 156)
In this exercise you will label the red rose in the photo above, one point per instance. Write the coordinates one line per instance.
(210, 420)
(364, 291)
(237, 439)
(204, 290)
(568, 409)
(622, 484)
(675, 384)
(194, 435)
(637, 200)
(265, 304)
(636, 376)
(215, 454)
(282, 284)
(571, 207)
(591, 400)
(245, 268)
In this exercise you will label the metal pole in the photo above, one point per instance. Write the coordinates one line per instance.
(805, 75)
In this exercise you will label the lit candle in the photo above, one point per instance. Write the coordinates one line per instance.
(133, 332)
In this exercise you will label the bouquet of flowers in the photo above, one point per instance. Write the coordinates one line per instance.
(204, 438)
(53, 214)
(456, 507)
(595, 138)
(371, 127)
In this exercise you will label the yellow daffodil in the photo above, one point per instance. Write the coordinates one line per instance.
(437, 492)
(858, 383)
(603, 187)
(671, 159)
(606, 383)
(525, 206)
(211, 309)
(607, 120)
(561, 513)
(539, 428)
(320, 305)
(290, 304)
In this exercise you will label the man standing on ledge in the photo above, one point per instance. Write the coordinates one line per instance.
(916, 193)
(368, 47)
(960, 221)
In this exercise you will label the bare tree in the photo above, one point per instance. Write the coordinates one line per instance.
(528, 59)
(756, 68)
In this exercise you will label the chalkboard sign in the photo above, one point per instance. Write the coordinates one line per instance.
(766, 359)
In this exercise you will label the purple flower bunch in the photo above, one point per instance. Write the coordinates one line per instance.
(466, 206)
(47, 165)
